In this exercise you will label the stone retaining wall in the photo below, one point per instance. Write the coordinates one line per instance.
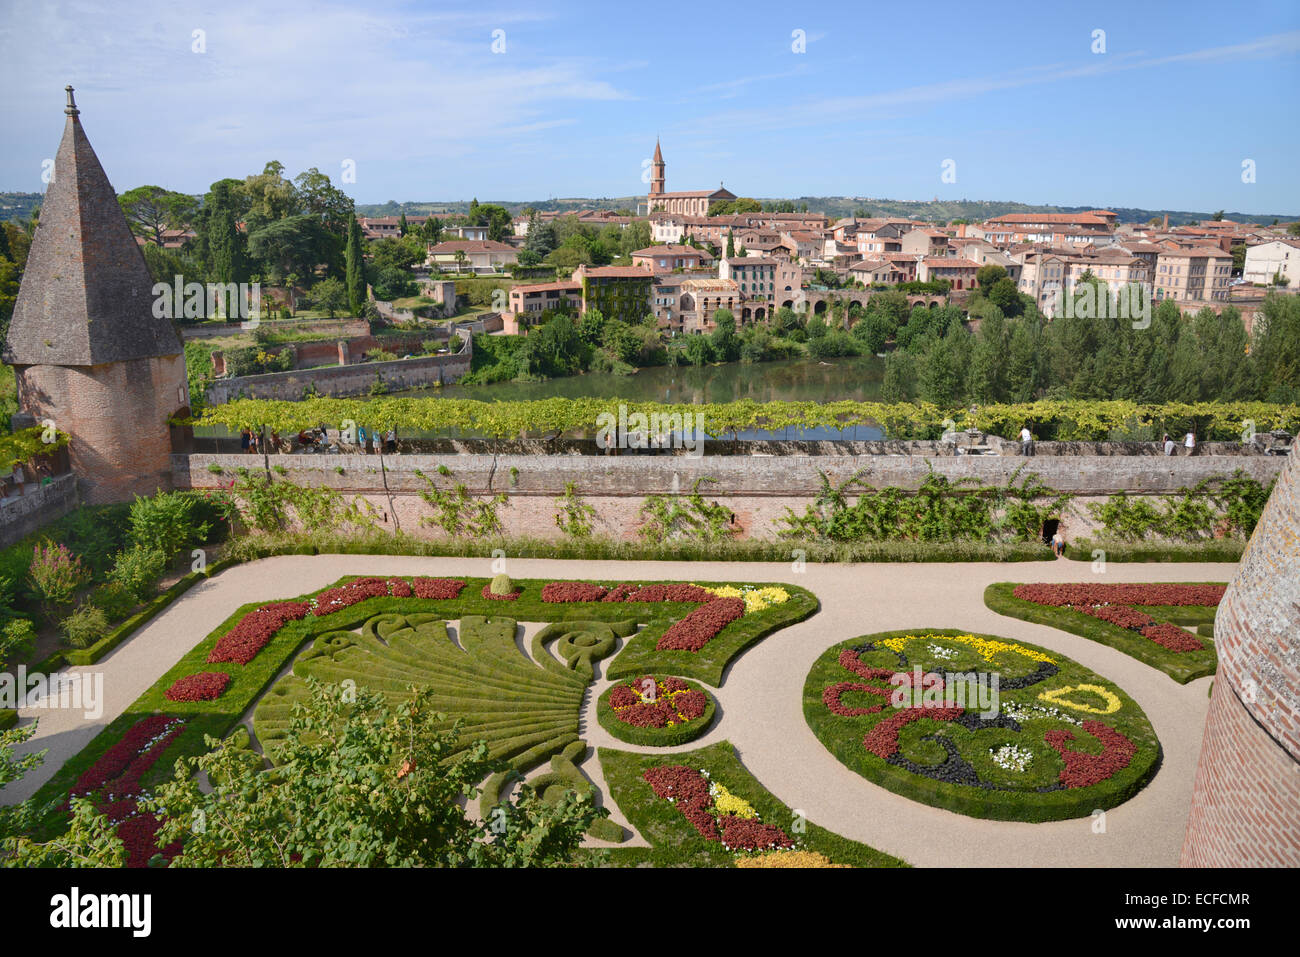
(41, 504)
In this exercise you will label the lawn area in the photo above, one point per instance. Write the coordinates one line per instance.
(1054, 741)
(676, 841)
(1182, 666)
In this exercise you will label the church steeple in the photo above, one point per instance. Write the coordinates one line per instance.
(657, 171)
(86, 296)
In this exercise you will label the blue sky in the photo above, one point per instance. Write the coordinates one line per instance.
(880, 97)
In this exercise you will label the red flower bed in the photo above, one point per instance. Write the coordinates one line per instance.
(114, 780)
(850, 661)
(254, 630)
(438, 588)
(1082, 769)
(689, 791)
(699, 627)
(831, 698)
(399, 588)
(344, 596)
(1121, 615)
(572, 591)
(749, 834)
(1171, 637)
(1120, 594)
(203, 686)
(882, 740)
(1113, 604)
(673, 701)
(487, 593)
(659, 592)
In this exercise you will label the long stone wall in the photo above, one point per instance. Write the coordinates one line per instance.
(21, 516)
(757, 490)
(346, 380)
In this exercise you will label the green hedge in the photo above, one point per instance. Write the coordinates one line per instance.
(656, 737)
(676, 843)
(1182, 666)
(843, 737)
(1216, 550)
(8, 718)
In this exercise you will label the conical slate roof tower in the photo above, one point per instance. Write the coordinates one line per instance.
(87, 350)
(1246, 798)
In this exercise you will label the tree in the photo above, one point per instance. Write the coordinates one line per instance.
(1293, 229)
(330, 295)
(731, 244)
(150, 210)
(270, 196)
(723, 339)
(296, 244)
(1218, 217)
(362, 784)
(222, 246)
(319, 198)
(401, 225)
(987, 275)
(356, 270)
(431, 231)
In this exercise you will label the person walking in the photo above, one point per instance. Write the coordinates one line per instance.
(1190, 443)
(390, 441)
(1026, 441)
(1058, 544)
(1169, 445)
(244, 439)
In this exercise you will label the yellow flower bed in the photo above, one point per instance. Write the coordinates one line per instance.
(755, 599)
(787, 859)
(984, 647)
(724, 802)
(1057, 696)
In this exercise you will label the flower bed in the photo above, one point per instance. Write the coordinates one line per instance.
(715, 814)
(964, 743)
(492, 596)
(203, 686)
(113, 783)
(254, 630)
(437, 588)
(655, 711)
(703, 624)
(1156, 623)
(558, 592)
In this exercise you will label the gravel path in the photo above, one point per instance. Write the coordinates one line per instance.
(761, 696)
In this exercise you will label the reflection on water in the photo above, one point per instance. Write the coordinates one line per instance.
(793, 380)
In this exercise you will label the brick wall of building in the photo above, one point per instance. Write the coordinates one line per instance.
(117, 415)
(1246, 798)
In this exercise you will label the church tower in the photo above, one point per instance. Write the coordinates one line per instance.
(87, 351)
(657, 172)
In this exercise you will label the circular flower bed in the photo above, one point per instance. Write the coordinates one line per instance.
(980, 725)
(655, 711)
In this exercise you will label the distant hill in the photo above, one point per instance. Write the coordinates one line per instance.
(838, 207)
(18, 205)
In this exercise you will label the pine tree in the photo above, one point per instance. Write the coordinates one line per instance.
(355, 267)
(401, 224)
(731, 245)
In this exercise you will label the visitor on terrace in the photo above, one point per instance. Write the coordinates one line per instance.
(1026, 441)
(1058, 544)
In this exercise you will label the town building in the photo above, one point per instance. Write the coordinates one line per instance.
(690, 203)
(1198, 273)
(1279, 257)
(670, 256)
(472, 255)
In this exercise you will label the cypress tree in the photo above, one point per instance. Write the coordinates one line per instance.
(355, 267)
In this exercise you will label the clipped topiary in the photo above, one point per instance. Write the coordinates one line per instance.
(502, 585)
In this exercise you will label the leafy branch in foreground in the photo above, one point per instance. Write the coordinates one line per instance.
(360, 784)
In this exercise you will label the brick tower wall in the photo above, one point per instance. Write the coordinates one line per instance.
(116, 415)
(1246, 796)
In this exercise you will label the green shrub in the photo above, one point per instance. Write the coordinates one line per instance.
(166, 523)
(85, 626)
(137, 571)
(116, 601)
(17, 640)
(502, 585)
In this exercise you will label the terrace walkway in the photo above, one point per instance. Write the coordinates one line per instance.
(761, 694)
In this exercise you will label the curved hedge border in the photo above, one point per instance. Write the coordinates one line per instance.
(1181, 666)
(655, 737)
(676, 843)
(843, 736)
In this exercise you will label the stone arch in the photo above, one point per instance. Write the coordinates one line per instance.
(760, 314)
(819, 309)
(788, 304)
